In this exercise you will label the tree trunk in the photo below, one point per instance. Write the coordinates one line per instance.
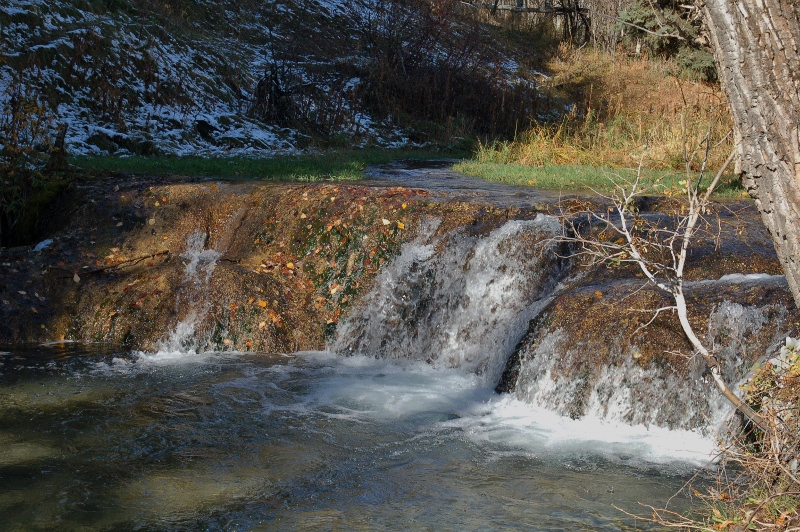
(757, 46)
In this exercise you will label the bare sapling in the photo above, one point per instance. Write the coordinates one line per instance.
(764, 493)
(659, 251)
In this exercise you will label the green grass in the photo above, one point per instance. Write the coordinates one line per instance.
(327, 166)
(576, 178)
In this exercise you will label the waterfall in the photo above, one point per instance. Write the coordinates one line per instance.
(199, 266)
(465, 300)
(624, 390)
(459, 299)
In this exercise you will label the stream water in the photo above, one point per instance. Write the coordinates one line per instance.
(101, 441)
(396, 427)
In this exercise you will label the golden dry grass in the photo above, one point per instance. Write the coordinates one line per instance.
(622, 107)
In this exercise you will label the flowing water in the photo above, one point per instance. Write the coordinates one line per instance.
(395, 427)
(225, 441)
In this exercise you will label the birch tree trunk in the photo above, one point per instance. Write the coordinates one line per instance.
(756, 43)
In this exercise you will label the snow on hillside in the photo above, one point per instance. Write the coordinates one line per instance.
(139, 88)
(232, 77)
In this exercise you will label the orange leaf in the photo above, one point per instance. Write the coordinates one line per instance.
(262, 303)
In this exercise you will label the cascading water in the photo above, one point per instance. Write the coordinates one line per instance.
(465, 301)
(191, 296)
(460, 300)
(623, 390)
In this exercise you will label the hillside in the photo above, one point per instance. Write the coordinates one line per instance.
(201, 77)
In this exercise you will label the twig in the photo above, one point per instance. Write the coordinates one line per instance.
(765, 501)
(128, 262)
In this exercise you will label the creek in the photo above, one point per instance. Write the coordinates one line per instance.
(395, 425)
(312, 441)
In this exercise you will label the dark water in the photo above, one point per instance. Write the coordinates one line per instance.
(103, 441)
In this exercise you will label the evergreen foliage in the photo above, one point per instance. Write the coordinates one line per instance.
(673, 30)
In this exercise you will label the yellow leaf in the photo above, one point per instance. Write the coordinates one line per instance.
(404, 205)
(290, 265)
(112, 314)
(250, 300)
(401, 225)
(262, 304)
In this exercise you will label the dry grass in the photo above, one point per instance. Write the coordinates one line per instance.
(622, 104)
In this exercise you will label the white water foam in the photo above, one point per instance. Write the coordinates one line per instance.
(200, 265)
(459, 301)
(365, 389)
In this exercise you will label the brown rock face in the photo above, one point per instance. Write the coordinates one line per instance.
(287, 261)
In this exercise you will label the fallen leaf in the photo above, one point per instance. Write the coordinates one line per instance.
(385, 221)
(598, 294)
(152, 221)
(250, 300)
(248, 344)
(262, 325)
(303, 216)
(112, 314)
(401, 225)
(404, 205)
(227, 341)
(34, 310)
(262, 304)
(23, 292)
(76, 278)
(156, 204)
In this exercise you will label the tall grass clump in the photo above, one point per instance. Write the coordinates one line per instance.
(616, 106)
